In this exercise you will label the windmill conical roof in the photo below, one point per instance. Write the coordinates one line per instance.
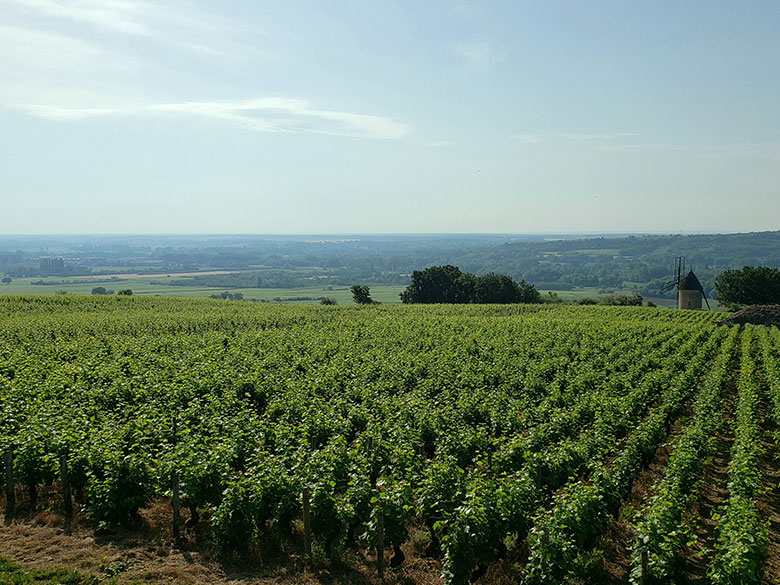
(690, 282)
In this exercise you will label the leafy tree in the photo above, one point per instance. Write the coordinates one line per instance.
(7, 280)
(439, 284)
(749, 286)
(328, 301)
(101, 290)
(362, 295)
(447, 284)
(125, 292)
(528, 292)
(496, 288)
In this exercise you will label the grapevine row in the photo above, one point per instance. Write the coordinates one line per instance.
(580, 512)
(742, 533)
(661, 533)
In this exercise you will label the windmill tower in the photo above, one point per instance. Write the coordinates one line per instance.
(690, 292)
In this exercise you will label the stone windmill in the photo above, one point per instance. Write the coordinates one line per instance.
(690, 292)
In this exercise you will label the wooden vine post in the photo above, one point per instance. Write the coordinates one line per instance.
(643, 566)
(306, 522)
(10, 499)
(175, 496)
(176, 503)
(380, 542)
(32, 492)
(67, 503)
(380, 528)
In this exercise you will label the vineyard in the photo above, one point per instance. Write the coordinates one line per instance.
(538, 444)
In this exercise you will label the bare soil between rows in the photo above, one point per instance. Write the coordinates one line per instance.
(619, 535)
(712, 493)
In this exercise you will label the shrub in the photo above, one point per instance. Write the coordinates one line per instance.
(634, 300)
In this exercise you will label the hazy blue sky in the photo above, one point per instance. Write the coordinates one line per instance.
(411, 116)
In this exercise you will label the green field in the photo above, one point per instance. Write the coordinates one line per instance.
(143, 287)
(385, 294)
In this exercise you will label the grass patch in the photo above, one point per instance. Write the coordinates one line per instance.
(12, 574)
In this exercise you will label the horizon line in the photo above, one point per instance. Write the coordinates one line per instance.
(364, 234)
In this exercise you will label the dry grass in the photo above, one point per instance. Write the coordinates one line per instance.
(148, 554)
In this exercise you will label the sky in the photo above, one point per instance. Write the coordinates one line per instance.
(364, 116)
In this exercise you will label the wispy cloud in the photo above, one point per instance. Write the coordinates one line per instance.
(620, 142)
(67, 73)
(760, 150)
(124, 16)
(291, 115)
(60, 113)
(642, 147)
(261, 115)
(177, 25)
(34, 51)
(764, 150)
(597, 136)
(439, 143)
